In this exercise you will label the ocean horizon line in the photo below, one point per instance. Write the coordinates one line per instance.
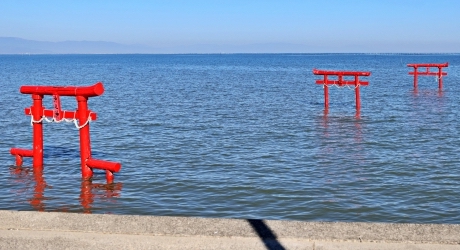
(248, 53)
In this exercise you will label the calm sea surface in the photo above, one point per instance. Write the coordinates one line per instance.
(240, 136)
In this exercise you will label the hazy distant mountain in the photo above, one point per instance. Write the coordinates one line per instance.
(12, 45)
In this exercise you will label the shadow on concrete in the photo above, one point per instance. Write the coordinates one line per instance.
(266, 234)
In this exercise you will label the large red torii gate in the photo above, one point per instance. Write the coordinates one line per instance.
(81, 117)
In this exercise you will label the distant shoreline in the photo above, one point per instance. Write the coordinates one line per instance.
(287, 53)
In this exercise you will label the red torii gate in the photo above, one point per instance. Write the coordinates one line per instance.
(341, 82)
(38, 113)
(427, 72)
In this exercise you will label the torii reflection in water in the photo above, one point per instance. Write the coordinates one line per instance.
(89, 190)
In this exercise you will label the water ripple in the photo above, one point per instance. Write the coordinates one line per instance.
(240, 136)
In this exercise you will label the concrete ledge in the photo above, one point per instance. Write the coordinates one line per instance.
(17, 227)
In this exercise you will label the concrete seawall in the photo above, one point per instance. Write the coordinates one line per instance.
(44, 230)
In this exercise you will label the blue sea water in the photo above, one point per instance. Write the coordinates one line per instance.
(241, 136)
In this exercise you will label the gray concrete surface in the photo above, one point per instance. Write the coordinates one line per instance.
(43, 230)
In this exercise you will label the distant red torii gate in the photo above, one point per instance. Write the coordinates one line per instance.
(341, 82)
(427, 72)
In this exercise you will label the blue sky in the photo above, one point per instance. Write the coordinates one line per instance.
(242, 25)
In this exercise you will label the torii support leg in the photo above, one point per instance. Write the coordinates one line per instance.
(37, 137)
(326, 95)
(87, 163)
(440, 78)
(358, 101)
(85, 146)
(37, 150)
(415, 77)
